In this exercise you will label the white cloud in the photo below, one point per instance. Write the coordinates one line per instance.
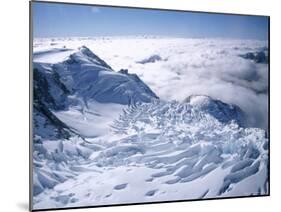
(95, 9)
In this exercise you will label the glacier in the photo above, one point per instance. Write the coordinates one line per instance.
(103, 136)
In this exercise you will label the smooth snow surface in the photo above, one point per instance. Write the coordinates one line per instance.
(156, 119)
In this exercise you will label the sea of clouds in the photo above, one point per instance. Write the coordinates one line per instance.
(175, 68)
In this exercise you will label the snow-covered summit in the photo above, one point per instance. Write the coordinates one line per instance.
(85, 56)
(92, 78)
(88, 77)
(220, 110)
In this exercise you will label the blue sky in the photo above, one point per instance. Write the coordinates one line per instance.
(65, 20)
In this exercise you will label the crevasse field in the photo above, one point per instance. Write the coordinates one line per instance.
(146, 119)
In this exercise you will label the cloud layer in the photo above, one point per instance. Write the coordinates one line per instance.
(185, 67)
(209, 67)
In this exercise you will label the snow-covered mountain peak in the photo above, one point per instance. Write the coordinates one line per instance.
(220, 110)
(78, 83)
(85, 56)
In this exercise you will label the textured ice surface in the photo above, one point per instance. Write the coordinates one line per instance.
(162, 151)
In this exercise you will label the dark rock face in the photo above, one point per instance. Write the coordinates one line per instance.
(49, 93)
(47, 125)
(49, 89)
(257, 57)
(151, 59)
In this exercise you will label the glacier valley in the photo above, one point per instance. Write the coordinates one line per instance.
(120, 120)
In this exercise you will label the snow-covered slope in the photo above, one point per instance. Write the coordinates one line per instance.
(88, 77)
(74, 87)
(175, 150)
